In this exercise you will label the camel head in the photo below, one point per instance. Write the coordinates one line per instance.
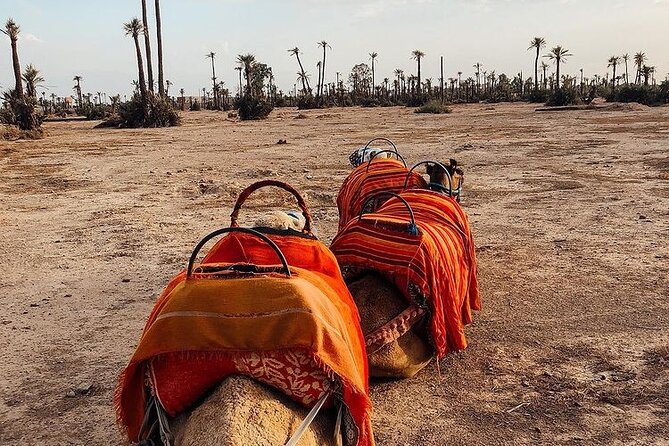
(439, 179)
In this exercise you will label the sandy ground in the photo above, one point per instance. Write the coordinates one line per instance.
(570, 212)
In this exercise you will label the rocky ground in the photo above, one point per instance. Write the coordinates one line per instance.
(570, 211)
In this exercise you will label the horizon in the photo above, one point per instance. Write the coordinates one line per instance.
(51, 38)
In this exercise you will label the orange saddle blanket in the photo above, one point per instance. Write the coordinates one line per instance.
(240, 313)
(433, 264)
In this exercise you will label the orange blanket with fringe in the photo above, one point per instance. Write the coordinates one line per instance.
(435, 269)
(304, 329)
(381, 175)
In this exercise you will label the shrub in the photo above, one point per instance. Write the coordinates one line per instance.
(131, 114)
(648, 95)
(307, 102)
(538, 96)
(23, 113)
(369, 102)
(434, 107)
(562, 97)
(249, 107)
(195, 106)
(95, 112)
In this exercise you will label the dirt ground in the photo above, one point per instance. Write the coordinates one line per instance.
(570, 212)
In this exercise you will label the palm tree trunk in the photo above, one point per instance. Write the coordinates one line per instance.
(147, 45)
(248, 82)
(627, 76)
(18, 88)
(159, 32)
(614, 79)
(557, 75)
(79, 93)
(318, 86)
(373, 77)
(441, 79)
(323, 67)
(418, 75)
(305, 81)
(536, 71)
(142, 81)
(241, 93)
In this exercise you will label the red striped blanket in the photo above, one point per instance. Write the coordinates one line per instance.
(435, 269)
(369, 179)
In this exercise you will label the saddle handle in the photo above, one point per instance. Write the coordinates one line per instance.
(399, 157)
(364, 150)
(308, 220)
(436, 163)
(412, 229)
(263, 237)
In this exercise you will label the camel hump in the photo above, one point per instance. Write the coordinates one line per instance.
(241, 412)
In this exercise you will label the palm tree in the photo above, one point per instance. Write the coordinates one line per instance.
(323, 44)
(303, 77)
(147, 45)
(613, 62)
(134, 28)
(373, 56)
(12, 31)
(478, 66)
(544, 67)
(626, 58)
(639, 60)
(247, 61)
(539, 43)
(77, 87)
(159, 32)
(212, 56)
(168, 84)
(558, 55)
(398, 73)
(417, 55)
(33, 79)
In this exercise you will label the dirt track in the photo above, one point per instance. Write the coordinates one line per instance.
(570, 213)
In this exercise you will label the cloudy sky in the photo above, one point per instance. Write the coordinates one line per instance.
(64, 38)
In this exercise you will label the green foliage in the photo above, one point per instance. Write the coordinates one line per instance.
(160, 113)
(562, 97)
(642, 94)
(369, 102)
(307, 102)
(538, 96)
(23, 113)
(95, 112)
(252, 108)
(434, 107)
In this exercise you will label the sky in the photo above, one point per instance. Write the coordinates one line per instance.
(64, 38)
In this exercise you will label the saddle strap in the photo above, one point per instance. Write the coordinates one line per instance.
(393, 329)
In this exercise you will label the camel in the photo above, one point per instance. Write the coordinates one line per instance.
(242, 411)
(379, 301)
